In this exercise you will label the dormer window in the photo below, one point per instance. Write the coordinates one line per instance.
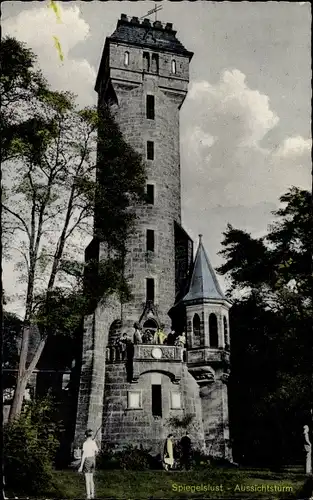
(126, 58)
(173, 66)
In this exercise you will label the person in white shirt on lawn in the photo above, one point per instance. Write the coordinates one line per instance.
(88, 463)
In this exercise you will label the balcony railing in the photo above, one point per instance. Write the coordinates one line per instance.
(140, 352)
(208, 355)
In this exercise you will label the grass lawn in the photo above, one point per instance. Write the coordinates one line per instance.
(220, 483)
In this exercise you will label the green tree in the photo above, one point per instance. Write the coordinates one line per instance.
(271, 330)
(20, 82)
(277, 267)
(30, 445)
(51, 187)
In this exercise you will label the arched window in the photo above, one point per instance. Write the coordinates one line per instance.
(114, 331)
(126, 58)
(151, 325)
(173, 66)
(146, 61)
(226, 334)
(213, 332)
(155, 63)
(196, 325)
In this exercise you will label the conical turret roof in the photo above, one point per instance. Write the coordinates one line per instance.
(203, 283)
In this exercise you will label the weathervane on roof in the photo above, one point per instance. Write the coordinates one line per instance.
(155, 10)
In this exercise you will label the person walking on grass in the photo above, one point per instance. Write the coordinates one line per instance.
(168, 453)
(88, 463)
(185, 444)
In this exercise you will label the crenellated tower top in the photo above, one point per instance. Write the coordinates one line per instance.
(145, 33)
(153, 37)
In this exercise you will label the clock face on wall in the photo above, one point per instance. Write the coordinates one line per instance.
(156, 353)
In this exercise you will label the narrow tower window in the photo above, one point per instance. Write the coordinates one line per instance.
(150, 107)
(146, 61)
(155, 63)
(150, 240)
(174, 66)
(150, 289)
(150, 150)
(150, 194)
(196, 325)
(156, 393)
(226, 335)
(213, 332)
(126, 58)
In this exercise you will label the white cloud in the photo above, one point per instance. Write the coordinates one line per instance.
(234, 107)
(37, 27)
(226, 163)
(294, 146)
(227, 174)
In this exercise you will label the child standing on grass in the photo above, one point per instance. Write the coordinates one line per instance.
(88, 463)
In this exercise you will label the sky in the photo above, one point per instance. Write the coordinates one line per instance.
(245, 125)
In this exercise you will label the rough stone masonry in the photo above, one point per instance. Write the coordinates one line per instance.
(143, 77)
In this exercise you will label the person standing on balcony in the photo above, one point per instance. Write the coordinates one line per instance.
(171, 338)
(137, 334)
(160, 335)
(181, 340)
(147, 337)
(122, 344)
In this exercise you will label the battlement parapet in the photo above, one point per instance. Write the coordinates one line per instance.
(146, 23)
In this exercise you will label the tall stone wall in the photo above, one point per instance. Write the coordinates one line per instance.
(138, 426)
(164, 173)
(131, 85)
(216, 420)
(92, 380)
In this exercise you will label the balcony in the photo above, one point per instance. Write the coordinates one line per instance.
(146, 352)
(207, 355)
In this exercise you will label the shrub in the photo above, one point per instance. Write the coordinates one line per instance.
(30, 446)
(132, 458)
(181, 423)
(108, 457)
(199, 460)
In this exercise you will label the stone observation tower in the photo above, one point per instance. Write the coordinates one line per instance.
(132, 396)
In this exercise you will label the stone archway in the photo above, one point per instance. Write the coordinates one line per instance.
(114, 331)
(150, 324)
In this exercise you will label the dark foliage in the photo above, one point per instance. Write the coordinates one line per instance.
(270, 387)
(130, 458)
(121, 182)
(30, 446)
(11, 335)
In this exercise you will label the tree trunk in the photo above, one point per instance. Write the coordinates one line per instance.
(23, 377)
(20, 384)
(17, 403)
